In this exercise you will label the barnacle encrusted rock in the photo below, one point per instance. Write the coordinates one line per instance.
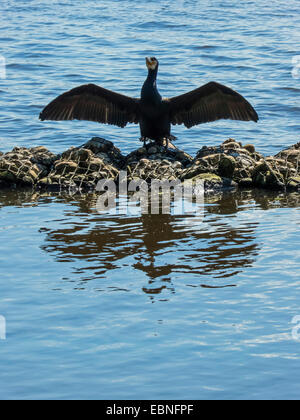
(158, 153)
(83, 167)
(147, 169)
(105, 150)
(24, 166)
(156, 162)
(219, 167)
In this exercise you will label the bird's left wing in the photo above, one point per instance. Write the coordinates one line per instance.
(93, 103)
(210, 102)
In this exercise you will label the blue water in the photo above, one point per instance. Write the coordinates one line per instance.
(119, 306)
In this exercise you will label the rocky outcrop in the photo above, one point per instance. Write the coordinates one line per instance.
(229, 165)
(24, 166)
(82, 167)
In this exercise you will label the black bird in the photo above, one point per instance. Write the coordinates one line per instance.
(153, 113)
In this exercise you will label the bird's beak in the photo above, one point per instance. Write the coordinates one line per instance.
(151, 65)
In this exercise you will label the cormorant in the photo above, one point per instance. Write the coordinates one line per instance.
(153, 113)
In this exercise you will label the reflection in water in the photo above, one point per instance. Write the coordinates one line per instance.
(159, 248)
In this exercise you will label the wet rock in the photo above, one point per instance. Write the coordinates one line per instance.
(293, 183)
(263, 175)
(245, 182)
(213, 182)
(292, 155)
(147, 169)
(153, 150)
(230, 158)
(199, 166)
(106, 151)
(231, 145)
(156, 152)
(227, 165)
(208, 151)
(24, 166)
(274, 172)
(219, 167)
(80, 168)
(250, 148)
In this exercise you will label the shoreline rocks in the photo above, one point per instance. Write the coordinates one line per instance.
(227, 166)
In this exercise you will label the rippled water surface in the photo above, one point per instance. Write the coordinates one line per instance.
(104, 306)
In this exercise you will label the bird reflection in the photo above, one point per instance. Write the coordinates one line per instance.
(155, 253)
(158, 248)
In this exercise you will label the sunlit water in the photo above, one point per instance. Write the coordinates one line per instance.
(103, 306)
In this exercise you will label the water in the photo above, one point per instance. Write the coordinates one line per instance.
(149, 307)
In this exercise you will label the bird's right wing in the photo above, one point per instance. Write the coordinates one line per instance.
(210, 102)
(93, 103)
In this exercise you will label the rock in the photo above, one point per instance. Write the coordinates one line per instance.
(230, 140)
(158, 153)
(261, 167)
(24, 166)
(154, 169)
(141, 151)
(208, 151)
(231, 145)
(274, 180)
(245, 182)
(244, 162)
(213, 182)
(265, 176)
(213, 160)
(98, 145)
(293, 183)
(183, 157)
(219, 167)
(199, 166)
(227, 165)
(152, 150)
(81, 168)
(250, 148)
(65, 166)
(292, 154)
(106, 151)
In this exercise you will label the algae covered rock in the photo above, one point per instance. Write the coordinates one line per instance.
(213, 182)
(291, 155)
(198, 166)
(276, 172)
(293, 183)
(231, 160)
(227, 165)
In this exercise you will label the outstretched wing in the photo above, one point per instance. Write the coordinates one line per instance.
(210, 102)
(93, 103)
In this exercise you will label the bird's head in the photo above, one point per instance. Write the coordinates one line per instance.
(151, 63)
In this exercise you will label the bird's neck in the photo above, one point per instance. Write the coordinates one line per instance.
(149, 89)
(152, 75)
